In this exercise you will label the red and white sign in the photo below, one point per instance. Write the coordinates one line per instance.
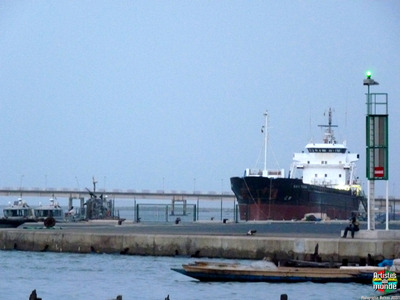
(379, 172)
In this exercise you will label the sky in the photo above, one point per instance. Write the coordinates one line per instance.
(170, 95)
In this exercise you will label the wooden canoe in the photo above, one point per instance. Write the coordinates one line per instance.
(213, 271)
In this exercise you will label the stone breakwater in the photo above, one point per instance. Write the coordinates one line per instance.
(216, 246)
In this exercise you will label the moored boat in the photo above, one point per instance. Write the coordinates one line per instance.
(267, 272)
(327, 183)
(17, 214)
(51, 210)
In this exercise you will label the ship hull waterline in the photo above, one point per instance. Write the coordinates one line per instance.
(261, 198)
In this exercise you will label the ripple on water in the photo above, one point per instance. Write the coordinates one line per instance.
(103, 276)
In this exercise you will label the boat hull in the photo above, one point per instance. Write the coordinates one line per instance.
(231, 272)
(13, 223)
(262, 198)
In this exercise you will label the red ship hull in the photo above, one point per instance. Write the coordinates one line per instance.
(262, 198)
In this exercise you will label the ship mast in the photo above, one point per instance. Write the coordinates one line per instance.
(265, 127)
(328, 136)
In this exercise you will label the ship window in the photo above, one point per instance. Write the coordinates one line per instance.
(327, 150)
(316, 175)
(326, 175)
(322, 162)
(308, 162)
(340, 175)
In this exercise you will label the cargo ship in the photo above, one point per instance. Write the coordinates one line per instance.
(325, 188)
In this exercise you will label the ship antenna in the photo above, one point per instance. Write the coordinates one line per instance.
(329, 137)
(265, 139)
(94, 184)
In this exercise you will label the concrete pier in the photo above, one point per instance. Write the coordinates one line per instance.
(124, 240)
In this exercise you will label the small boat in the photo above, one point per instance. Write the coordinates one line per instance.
(52, 210)
(17, 214)
(265, 271)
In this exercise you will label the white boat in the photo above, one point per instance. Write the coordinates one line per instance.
(53, 209)
(17, 213)
(18, 210)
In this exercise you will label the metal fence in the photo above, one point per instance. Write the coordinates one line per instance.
(165, 213)
(176, 213)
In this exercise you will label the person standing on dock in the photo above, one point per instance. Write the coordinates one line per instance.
(353, 226)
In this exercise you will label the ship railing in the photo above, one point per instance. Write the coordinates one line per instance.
(253, 172)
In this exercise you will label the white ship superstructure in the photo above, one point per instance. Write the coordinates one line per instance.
(327, 164)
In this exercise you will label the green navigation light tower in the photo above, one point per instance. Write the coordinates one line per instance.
(377, 147)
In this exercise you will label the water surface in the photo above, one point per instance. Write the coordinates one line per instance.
(104, 276)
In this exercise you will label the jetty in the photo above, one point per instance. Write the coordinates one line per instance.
(212, 239)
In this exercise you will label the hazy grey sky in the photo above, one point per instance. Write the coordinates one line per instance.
(143, 94)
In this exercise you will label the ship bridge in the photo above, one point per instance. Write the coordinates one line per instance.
(326, 148)
(326, 164)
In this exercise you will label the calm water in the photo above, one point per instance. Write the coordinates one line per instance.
(104, 276)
